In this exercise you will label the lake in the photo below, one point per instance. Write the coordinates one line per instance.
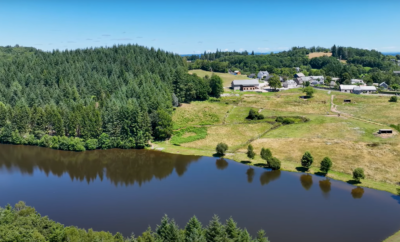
(129, 190)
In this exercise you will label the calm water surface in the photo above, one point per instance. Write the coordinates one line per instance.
(129, 190)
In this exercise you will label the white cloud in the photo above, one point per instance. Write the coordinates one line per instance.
(226, 50)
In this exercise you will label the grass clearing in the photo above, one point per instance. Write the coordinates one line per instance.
(226, 77)
(199, 113)
(235, 135)
(349, 142)
(188, 135)
(318, 54)
(288, 101)
(370, 107)
(380, 163)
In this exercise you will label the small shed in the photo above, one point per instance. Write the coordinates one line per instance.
(385, 131)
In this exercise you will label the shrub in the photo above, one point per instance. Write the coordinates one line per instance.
(398, 191)
(76, 144)
(221, 148)
(91, 144)
(265, 154)
(31, 140)
(54, 142)
(250, 152)
(288, 121)
(63, 143)
(104, 141)
(309, 91)
(128, 144)
(254, 115)
(274, 163)
(393, 99)
(307, 160)
(16, 138)
(326, 164)
(38, 134)
(358, 174)
(45, 141)
(279, 119)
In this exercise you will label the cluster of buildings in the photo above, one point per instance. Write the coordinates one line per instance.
(357, 86)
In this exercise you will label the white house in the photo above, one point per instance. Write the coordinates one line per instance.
(262, 74)
(245, 85)
(364, 89)
(318, 78)
(299, 75)
(289, 84)
(357, 82)
(347, 88)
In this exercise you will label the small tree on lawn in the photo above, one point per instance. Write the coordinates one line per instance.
(326, 164)
(221, 148)
(393, 99)
(250, 152)
(309, 91)
(265, 154)
(274, 163)
(358, 174)
(307, 160)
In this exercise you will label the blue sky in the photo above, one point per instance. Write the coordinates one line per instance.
(188, 27)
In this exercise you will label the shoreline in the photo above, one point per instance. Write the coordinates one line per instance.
(289, 166)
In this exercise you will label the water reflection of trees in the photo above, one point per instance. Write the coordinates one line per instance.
(269, 176)
(250, 175)
(221, 164)
(357, 192)
(121, 167)
(306, 181)
(325, 186)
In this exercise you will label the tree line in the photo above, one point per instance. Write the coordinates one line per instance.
(24, 223)
(370, 65)
(122, 96)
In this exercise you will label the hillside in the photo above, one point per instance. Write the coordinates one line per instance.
(87, 98)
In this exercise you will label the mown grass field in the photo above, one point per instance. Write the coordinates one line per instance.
(226, 77)
(371, 107)
(318, 54)
(350, 143)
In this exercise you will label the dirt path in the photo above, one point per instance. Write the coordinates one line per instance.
(345, 115)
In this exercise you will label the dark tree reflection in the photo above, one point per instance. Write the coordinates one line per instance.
(121, 167)
(306, 181)
(325, 186)
(250, 175)
(221, 164)
(357, 192)
(269, 176)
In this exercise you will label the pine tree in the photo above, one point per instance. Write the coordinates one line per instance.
(245, 236)
(3, 115)
(215, 230)
(231, 230)
(193, 229)
(261, 236)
